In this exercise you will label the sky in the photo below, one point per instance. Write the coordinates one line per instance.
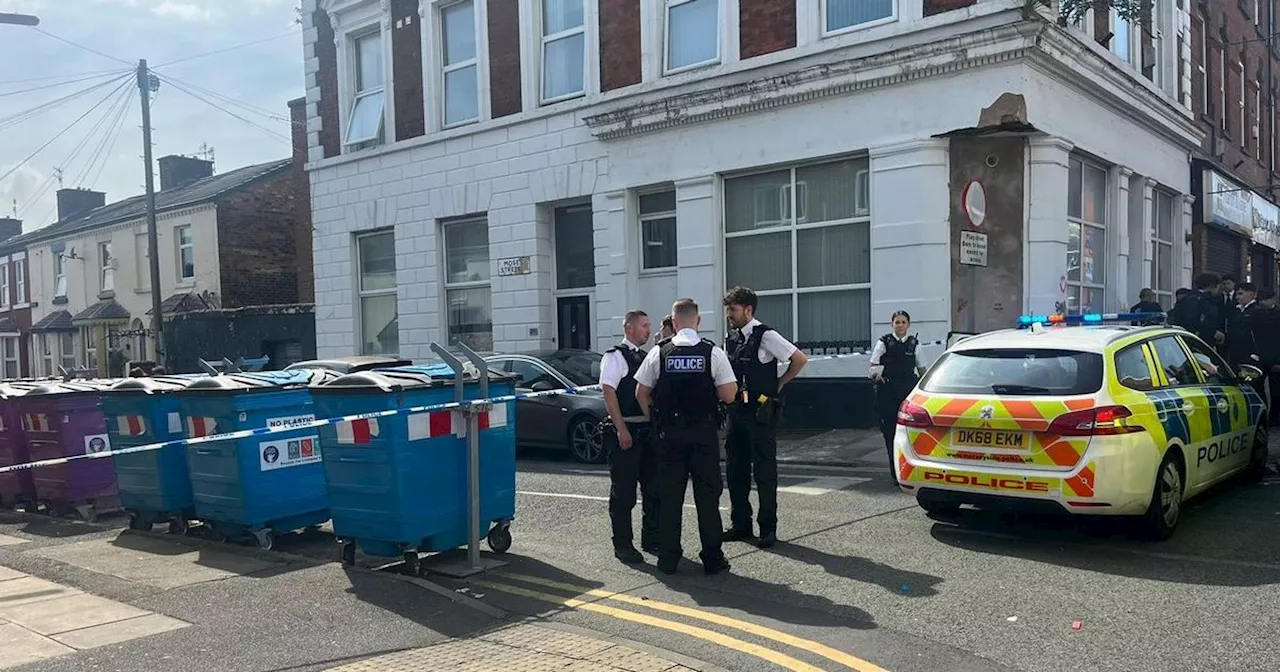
(254, 82)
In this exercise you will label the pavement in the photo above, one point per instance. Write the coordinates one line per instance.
(861, 579)
(832, 447)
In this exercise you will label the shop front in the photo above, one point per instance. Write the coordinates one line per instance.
(1237, 233)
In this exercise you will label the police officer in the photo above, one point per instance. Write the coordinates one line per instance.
(627, 439)
(895, 366)
(678, 387)
(668, 328)
(751, 435)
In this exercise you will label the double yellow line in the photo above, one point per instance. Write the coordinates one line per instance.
(780, 659)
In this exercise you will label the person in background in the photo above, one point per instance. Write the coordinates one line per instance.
(626, 436)
(668, 329)
(1240, 345)
(1200, 311)
(895, 367)
(1227, 289)
(1147, 304)
(1266, 334)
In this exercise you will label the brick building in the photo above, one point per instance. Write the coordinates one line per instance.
(226, 242)
(1234, 82)
(15, 302)
(516, 174)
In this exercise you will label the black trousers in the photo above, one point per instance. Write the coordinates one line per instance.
(684, 455)
(751, 448)
(636, 466)
(1273, 411)
(888, 398)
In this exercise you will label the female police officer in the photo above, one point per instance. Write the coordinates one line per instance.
(895, 366)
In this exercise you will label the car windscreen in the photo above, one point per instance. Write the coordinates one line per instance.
(581, 368)
(1015, 372)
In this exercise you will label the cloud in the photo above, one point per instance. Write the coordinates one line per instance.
(183, 10)
(21, 6)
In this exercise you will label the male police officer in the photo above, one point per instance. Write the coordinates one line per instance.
(678, 386)
(627, 440)
(751, 440)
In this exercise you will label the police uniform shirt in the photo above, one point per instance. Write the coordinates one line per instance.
(773, 347)
(721, 369)
(878, 351)
(614, 367)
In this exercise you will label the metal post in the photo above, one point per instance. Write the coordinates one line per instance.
(481, 366)
(473, 489)
(455, 364)
(153, 244)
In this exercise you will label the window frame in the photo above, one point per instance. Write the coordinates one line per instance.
(544, 39)
(89, 346)
(1133, 36)
(1157, 243)
(824, 33)
(448, 285)
(189, 246)
(645, 218)
(355, 95)
(1203, 65)
(20, 296)
(794, 228)
(1244, 117)
(1147, 357)
(5, 285)
(1256, 129)
(445, 69)
(105, 270)
(67, 350)
(1222, 87)
(6, 360)
(60, 274)
(46, 354)
(667, 70)
(362, 293)
(1102, 227)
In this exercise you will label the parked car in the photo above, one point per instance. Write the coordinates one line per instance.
(562, 420)
(354, 364)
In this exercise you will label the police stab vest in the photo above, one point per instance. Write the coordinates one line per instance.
(627, 386)
(899, 360)
(685, 394)
(755, 377)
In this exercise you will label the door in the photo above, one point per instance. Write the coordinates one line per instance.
(1185, 414)
(573, 314)
(1231, 447)
(538, 419)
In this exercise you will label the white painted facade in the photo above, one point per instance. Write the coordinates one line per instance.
(877, 96)
(89, 275)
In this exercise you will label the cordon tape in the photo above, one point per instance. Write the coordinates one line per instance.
(472, 405)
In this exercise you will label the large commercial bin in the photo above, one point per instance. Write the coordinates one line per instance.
(64, 420)
(154, 485)
(17, 488)
(399, 484)
(259, 485)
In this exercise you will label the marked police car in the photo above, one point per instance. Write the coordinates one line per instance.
(1070, 413)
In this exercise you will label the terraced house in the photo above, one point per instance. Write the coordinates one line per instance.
(515, 174)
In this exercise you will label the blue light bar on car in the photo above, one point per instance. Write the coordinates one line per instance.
(1087, 319)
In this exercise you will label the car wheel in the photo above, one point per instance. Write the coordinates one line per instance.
(1258, 461)
(1165, 509)
(585, 441)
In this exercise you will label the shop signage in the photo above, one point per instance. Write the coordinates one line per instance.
(1243, 211)
(1266, 227)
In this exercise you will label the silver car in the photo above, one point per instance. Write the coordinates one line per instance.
(563, 420)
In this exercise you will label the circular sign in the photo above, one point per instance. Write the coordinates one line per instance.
(271, 454)
(975, 203)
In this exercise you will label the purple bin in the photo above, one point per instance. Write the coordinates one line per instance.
(17, 488)
(63, 419)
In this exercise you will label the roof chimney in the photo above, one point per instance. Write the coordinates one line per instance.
(9, 227)
(75, 202)
(179, 171)
(298, 122)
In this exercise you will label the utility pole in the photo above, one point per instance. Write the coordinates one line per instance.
(153, 243)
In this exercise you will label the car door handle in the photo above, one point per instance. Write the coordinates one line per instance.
(1188, 407)
(1223, 406)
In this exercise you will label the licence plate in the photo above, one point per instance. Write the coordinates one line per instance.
(990, 438)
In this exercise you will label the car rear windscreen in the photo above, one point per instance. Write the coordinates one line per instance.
(1015, 372)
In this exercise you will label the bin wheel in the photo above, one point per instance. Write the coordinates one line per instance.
(412, 563)
(137, 523)
(88, 513)
(500, 539)
(216, 534)
(347, 553)
(178, 525)
(266, 540)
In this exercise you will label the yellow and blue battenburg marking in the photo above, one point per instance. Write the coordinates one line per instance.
(1059, 319)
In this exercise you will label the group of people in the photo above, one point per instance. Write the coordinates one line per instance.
(1241, 321)
(665, 409)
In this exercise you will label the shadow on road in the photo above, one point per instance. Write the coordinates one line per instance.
(42, 525)
(892, 579)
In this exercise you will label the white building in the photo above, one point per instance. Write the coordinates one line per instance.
(518, 174)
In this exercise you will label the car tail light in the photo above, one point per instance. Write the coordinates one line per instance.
(911, 414)
(1101, 421)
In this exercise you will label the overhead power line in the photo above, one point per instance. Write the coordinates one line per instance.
(58, 84)
(224, 110)
(231, 48)
(115, 137)
(81, 46)
(274, 116)
(64, 130)
(20, 117)
(63, 76)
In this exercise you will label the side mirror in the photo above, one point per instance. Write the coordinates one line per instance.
(543, 386)
(1249, 373)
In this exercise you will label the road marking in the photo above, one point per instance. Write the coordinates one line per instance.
(816, 648)
(821, 486)
(594, 498)
(780, 659)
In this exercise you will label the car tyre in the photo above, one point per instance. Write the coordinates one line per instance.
(586, 441)
(1165, 509)
(1258, 460)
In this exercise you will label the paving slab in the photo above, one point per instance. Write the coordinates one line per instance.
(74, 612)
(120, 631)
(6, 573)
(30, 589)
(19, 646)
(154, 562)
(6, 540)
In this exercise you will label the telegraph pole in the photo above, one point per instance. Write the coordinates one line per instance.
(153, 243)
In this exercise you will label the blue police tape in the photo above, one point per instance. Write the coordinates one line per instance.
(474, 405)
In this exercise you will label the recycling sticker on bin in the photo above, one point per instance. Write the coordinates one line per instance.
(288, 453)
(98, 443)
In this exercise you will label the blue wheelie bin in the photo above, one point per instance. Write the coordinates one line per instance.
(154, 485)
(399, 484)
(259, 485)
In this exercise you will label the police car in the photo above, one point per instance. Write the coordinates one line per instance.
(1069, 413)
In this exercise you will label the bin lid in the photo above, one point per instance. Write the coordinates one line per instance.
(94, 386)
(402, 378)
(13, 389)
(261, 381)
(353, 364)
(155, 384)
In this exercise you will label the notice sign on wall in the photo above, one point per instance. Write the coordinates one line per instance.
(973, 248)
(513, 266)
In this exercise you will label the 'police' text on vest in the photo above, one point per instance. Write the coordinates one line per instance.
(686, 364)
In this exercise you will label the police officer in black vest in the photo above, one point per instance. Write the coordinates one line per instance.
(751, 437)
(679, 386)
(627, 440)
(895, 366)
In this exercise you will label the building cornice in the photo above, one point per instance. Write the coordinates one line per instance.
(91, 233)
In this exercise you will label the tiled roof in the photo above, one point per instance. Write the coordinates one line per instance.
(7, 326)
(59, 320)
(183, 303)
(200, 191)
(106, 309)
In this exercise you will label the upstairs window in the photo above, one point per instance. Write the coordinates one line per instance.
(368, 103)
(564, 49)
(458, 44)
(843, 15)
(693, 34)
